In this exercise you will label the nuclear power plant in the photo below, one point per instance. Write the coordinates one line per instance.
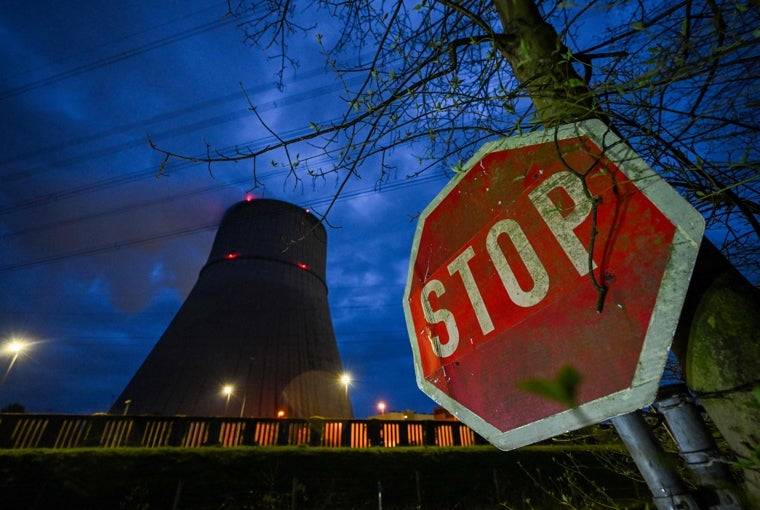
(254, 337)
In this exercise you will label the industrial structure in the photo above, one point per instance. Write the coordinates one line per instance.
(254, 337)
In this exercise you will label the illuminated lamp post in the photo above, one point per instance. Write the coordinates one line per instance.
(227, 390)
(381, 407)
(245, 387)
(14, 347)
(345, 379)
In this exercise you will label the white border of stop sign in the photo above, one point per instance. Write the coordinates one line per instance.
(667, 308)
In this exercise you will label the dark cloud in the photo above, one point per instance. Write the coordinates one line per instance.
(97, 254)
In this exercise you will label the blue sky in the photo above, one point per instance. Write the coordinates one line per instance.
(97, 254)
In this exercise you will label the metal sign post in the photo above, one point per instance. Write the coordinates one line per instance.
(668, 490)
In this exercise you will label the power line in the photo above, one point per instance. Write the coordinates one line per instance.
(109, 247)
(144, 124)
(119, 180)
(195, 192)
(214, 5)
(116, 57)
(186, 231)
(187, 128)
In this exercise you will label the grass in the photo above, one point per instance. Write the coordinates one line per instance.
(550, 476)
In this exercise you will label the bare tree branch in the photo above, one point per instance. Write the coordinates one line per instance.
(679, 81)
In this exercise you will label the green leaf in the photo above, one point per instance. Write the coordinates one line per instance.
(524, 48)
(637, 25)
(457, 168)
(756, 394)
(563, 388)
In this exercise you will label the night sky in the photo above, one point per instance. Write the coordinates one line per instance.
(97, 253)
(98, 248)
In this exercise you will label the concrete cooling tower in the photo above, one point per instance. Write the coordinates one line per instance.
(257, 322)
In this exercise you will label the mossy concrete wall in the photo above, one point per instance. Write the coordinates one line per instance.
(723, 364)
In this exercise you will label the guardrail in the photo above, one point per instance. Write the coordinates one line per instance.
(114, 431)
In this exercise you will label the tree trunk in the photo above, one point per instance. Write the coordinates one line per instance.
(719, 331)
(543, 65)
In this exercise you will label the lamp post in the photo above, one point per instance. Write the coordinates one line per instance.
(381, 407)
(345, 379)
(15, 347)
(245, 388)
(227, 390)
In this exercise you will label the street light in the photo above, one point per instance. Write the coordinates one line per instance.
(14, 347)
(227, 390)
(245, 388)
(381, 407)
(345, 379)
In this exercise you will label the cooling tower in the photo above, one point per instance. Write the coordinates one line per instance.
(257, 321)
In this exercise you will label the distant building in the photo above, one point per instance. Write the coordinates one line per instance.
(441, 414)
(406, 415)
(256, 322)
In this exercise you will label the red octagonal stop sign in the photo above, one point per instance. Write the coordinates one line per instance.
(553, 250)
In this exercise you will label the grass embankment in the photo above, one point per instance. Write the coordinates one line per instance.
(320, 478)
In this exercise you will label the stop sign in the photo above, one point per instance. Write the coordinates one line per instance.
(556, 251)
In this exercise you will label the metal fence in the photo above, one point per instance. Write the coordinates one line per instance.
(113, 431)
